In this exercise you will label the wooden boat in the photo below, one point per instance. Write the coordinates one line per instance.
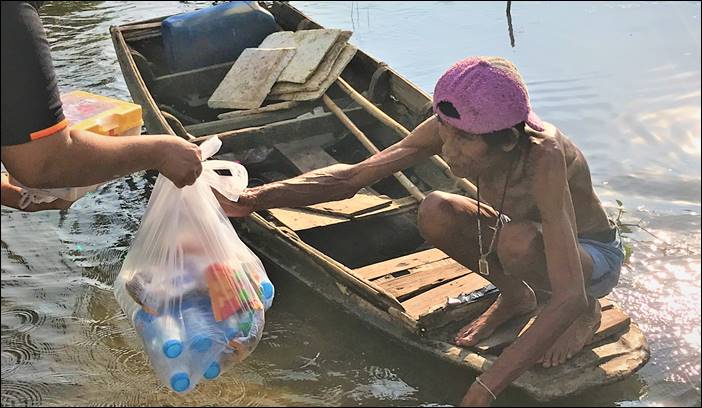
(365, 253)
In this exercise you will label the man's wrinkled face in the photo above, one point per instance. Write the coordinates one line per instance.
(465, 153)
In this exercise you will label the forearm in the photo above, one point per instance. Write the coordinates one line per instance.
(327, 184)
(87, 158)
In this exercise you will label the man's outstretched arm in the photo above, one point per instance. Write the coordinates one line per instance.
(338, 181)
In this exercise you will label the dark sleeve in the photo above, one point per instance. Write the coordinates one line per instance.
(31, 105)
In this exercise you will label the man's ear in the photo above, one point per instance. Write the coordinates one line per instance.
(509, 145)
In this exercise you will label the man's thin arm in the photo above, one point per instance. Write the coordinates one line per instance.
(342, 181)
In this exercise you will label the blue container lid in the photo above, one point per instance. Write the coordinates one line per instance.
(200, 343)
(172, 348)
(212, 371)
(180, 382)
(267, 290)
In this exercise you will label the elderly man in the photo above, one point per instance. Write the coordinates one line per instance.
(544, 229)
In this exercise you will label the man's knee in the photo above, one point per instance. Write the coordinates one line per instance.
(519, 243)
(435, 215)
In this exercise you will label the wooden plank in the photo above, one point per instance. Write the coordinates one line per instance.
(321, 73)
(423, 278)
(359, 204)
(203, 79)
(140, 31)
(434, 300)
(613, 321)
(284, 131)
(340, 64)
(399, 264)
(311, 46)
(268, 108)
(443, 315)
(254, 119)
(300, 220)
(252, 76)
(307, 154)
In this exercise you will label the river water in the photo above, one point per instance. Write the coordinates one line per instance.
(621, 79)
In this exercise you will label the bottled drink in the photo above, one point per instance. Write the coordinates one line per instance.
(161, 334)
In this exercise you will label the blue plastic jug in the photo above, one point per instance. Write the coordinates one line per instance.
(214, 35)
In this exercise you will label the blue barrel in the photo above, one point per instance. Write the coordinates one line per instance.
(214, 35)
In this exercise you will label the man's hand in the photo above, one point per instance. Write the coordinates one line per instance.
(234, 209)
(476, 396)
(180, 162)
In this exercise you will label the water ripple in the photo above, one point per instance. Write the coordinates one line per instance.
(22, 394)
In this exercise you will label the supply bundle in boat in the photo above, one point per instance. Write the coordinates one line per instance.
(194, 292)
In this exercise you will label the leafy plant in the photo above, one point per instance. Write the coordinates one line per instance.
(624, 228)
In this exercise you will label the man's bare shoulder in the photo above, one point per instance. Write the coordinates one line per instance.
(552, 138)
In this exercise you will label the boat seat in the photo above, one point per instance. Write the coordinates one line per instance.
(423, 281)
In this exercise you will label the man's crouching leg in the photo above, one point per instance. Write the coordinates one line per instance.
(448, 221)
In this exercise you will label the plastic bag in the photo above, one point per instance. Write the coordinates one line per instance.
(194, 292)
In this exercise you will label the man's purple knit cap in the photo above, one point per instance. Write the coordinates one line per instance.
(488, 93)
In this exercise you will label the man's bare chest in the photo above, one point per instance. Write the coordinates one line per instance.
(519, 202)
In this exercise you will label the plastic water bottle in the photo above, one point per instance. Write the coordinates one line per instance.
(161, 334)
(212, 371)
(267, 291)
(200, 325)
(163, 340)
(179, 381)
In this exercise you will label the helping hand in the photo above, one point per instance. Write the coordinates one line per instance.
(180, 162)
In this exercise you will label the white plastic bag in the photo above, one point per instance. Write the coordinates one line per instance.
(194, 292)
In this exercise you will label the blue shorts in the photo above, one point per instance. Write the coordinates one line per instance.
(607, 261)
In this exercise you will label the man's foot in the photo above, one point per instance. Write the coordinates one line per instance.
(504, 308)
(575, 338)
